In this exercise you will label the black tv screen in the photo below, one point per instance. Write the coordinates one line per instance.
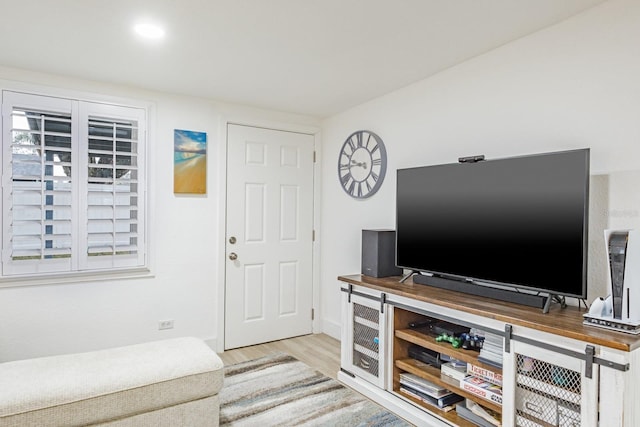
(519, 221)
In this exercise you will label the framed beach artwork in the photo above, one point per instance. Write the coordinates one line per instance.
(189, 162)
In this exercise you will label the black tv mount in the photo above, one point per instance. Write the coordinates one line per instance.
(471, 159)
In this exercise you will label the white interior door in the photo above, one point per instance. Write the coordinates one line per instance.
(269, 235)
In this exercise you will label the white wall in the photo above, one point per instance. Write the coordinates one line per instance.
(573, 85)
(186, 287)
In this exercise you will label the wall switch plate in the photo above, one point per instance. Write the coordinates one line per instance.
(165, 324)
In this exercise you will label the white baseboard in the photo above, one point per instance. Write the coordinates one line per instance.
(332, 329)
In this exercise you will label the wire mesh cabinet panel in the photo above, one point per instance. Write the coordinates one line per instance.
(364, 331)
(550, 388)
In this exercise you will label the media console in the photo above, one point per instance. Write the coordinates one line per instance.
(555, 370)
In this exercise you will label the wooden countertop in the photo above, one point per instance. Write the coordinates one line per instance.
(565, 322)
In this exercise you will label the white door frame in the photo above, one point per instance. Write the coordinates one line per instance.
(222, 216)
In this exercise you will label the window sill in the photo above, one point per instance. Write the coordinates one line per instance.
(80, 277)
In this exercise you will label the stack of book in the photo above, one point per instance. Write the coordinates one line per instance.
(491, 352)
(484, 383)
(453, 371)
(486, 374)
(428, 392)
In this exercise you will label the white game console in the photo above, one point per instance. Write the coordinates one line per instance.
(631, 285)
(621, 309)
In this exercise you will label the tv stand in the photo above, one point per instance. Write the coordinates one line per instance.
(555, 371)
(530, 300)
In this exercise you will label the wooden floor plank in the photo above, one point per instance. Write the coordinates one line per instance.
(319, 351)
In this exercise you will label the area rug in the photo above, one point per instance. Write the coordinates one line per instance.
(279, 390)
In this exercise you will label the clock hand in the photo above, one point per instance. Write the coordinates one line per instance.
(362, 164)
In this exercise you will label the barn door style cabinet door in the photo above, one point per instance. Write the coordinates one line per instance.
(363, 332)
(550, 382)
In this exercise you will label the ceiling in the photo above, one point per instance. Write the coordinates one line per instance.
(313, 57)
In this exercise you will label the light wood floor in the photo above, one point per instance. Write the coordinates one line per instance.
(319, 351)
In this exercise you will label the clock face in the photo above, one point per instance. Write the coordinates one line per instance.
(362, 164)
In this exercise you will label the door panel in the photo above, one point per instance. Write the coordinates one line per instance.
(270, 215)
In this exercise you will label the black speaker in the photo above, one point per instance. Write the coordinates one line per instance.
(379, 253)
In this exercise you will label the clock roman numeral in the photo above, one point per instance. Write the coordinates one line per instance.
(375, 148)
(375, 162)
(356, 189)
(359, 139)
(352, 145)
(367, 144)
(351, 187)
(369, 187)
(344, 167)
(345, 179)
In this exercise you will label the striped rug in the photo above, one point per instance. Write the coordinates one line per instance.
(279, 390)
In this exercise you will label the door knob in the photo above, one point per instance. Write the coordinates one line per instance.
(233, 256)
(232, 240)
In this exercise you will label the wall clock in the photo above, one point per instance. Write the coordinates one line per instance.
(362, 164)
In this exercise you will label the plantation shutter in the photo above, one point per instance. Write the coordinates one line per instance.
(38, 216)
(73, 185)
(114, 229)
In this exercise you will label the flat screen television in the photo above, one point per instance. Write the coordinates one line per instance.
(519, 222)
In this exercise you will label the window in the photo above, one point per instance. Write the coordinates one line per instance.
(73, 186)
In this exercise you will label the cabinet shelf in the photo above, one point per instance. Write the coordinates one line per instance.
(548, 389)
(367, 352)
(366, 322)
(432, 374)
(451, 416)
(525, 420)
(427, 341)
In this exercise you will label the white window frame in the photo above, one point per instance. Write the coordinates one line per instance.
(80, 266)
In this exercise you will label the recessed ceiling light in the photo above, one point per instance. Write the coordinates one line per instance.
(149, 30)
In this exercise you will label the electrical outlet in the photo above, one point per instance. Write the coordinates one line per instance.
(165, 324)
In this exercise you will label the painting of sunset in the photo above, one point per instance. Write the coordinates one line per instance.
(189, 162)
